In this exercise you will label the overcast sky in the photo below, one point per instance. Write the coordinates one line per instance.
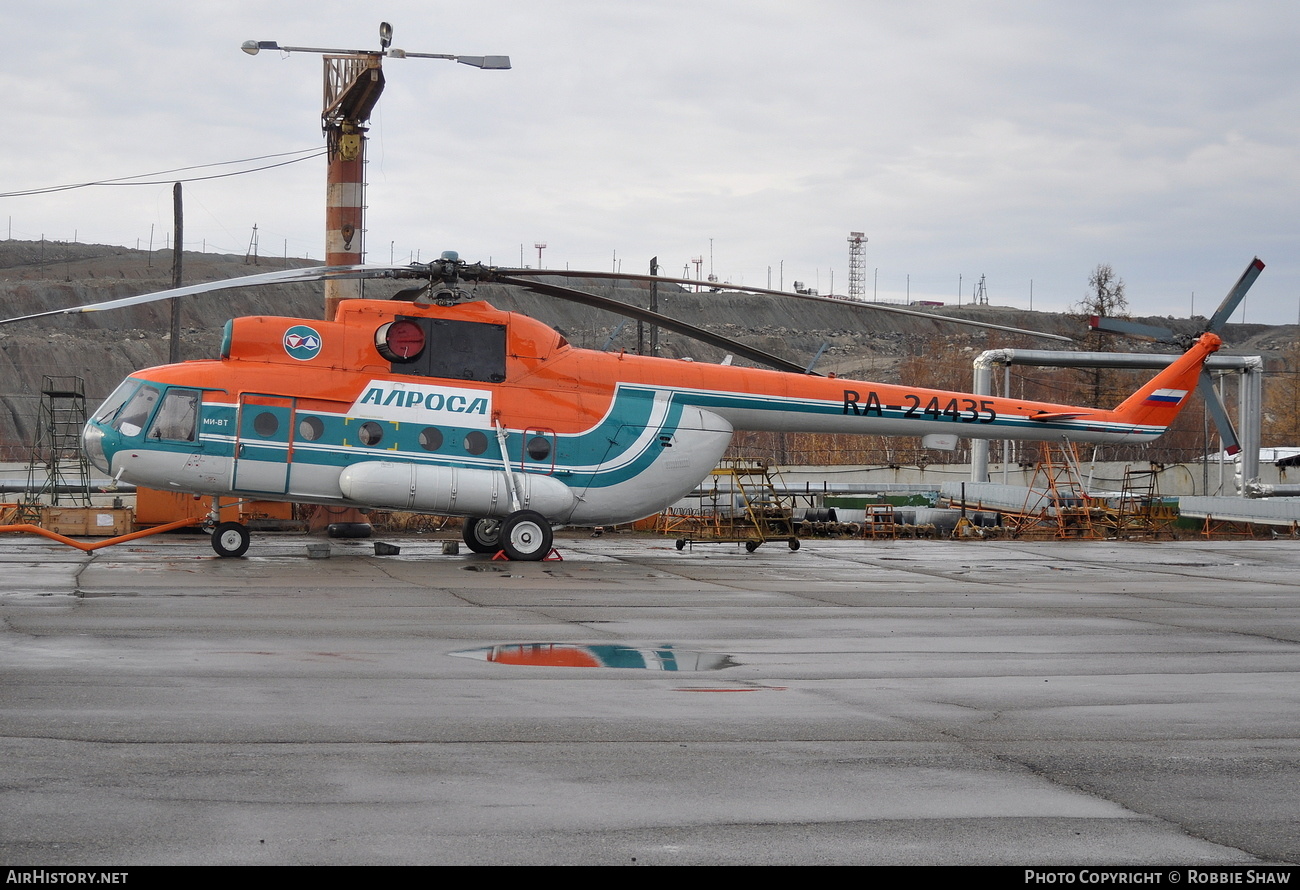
(1023, 141)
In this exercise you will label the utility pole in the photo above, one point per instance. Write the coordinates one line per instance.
(174, 348)
(654, 306)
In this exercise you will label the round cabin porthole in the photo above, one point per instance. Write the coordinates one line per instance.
(310, 429)
(539, 448)
(266, 424)
(400, 341)
(476, 443)
(430, 438)
(370, 433)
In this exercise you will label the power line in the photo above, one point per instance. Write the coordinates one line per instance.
(129, 180)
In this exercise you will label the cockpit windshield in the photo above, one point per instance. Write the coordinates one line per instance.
(115, 400)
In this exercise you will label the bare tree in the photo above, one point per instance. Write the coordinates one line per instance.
(1105, 296)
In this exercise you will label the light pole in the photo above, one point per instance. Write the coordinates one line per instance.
(354, 80)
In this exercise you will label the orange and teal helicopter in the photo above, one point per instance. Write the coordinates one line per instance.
(438, 403)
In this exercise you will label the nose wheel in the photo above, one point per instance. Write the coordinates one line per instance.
(230, 539)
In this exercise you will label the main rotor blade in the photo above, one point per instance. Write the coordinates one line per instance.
(286, 276)
(882, 307)
(672, 324)
(1235, 296)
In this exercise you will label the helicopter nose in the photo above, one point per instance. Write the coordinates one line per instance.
(92, 440)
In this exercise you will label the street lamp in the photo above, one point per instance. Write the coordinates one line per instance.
(354, 80)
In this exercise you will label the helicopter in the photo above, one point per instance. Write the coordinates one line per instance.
(434, 402)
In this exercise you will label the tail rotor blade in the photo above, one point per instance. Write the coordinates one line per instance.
(1235, 296)
(1210, 393)
(1130, 328)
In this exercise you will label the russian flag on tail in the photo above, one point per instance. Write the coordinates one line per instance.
(1166, 397)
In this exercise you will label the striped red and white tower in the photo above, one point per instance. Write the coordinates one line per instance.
(353, 84)
(354, 80)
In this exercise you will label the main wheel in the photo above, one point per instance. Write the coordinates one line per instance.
(526, 536)
(794, 543)
(751, 546)
(230, 539)
(482, 535)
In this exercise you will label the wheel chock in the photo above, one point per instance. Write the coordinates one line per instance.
(553, 556)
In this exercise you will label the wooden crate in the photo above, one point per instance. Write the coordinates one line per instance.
(102, 522)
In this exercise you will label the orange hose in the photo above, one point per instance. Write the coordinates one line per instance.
(107, 542)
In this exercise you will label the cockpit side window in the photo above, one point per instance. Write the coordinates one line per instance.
(135, 414)
(177, 419)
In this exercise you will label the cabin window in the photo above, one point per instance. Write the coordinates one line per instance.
(455, 350)
(266, 424)
(177, 419)
(430, 438)
(476, 442)
(310, 429)
(370, 433)
(132, 419)
(539, 448)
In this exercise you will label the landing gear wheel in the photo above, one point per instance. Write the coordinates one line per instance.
(230, 539)
(482, 535)
(526, 536)
(751, 546)
(681, 543)
(794, 543)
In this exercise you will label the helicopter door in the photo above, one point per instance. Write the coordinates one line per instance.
(264, 446)
(538, 452)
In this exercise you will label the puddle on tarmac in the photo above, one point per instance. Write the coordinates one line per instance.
(658, 658)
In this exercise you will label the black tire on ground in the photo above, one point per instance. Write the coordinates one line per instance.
(526, 536)
(794, 543)
(230, 539)
(751, 546)
(482, 535)
(349, 530)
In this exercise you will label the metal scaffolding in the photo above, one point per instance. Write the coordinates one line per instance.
(58, 472)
